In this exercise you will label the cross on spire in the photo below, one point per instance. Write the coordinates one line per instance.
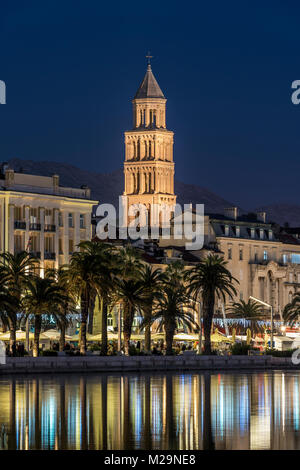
(149, 57)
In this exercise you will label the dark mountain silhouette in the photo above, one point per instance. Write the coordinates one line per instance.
(107, 187)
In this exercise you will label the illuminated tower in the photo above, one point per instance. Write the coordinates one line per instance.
(149, 166)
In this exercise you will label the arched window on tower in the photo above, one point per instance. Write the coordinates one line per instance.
(154, 118)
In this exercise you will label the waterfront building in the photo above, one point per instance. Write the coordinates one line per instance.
(40, 216)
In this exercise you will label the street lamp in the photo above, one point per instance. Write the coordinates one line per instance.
(271, 307)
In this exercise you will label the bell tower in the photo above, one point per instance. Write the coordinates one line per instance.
(149, 166)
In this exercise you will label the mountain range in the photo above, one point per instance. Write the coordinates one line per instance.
(107, 187)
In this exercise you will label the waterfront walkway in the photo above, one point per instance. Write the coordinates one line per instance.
(64, 364)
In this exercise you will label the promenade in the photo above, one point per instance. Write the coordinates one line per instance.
(65, 364)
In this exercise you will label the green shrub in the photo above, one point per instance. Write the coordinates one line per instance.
(276, 353)
(95, 347)
(240, 349)
(49, 352)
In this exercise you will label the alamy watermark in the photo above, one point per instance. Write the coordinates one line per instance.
(2, 92)
(138, 221)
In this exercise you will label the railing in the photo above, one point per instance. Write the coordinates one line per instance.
(34, 226)
(49, 255)
(20, 225)
(49, 228)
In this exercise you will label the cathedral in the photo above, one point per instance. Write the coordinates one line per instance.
(149, 166)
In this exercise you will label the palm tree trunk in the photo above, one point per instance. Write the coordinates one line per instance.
(84, 317)
(207, 323)
(148, 312)
(104, 328)
(12, 339)
(127, 325)
(62, 339)
(91, 312)
(37, 331)
(169, 340)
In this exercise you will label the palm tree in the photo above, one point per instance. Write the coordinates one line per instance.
(130, 262)
(133, 297)
(15, 270)
(251, 311)
(8, 306)
(210, 279)
(106, 268)
(43, 297)
(81, 274)
(169, 312)
(175, 273)
(291, 311)
(152, 284)
(63, 313)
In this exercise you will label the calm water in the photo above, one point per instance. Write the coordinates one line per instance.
(156, 411)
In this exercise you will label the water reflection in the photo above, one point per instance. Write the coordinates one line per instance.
(158, 411)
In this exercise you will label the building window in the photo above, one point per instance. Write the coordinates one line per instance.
(110, 320)
(295, 258)
(229, 253)
(70, 219)
(71, 246)
(253, 233)
(60, 219)
(81, 221)
(237, 231)
(261, 234)
(241, 254)
(270, 235)
(265, 255)
(255, 256)
(226, 230)
(60, 245)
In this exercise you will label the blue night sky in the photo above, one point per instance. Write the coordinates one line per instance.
(71, 69)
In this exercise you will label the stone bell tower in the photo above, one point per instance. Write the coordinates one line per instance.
(149, 166)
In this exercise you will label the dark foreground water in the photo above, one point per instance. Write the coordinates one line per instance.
(151, 411)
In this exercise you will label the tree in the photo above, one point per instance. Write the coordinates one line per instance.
(175, 274)
(15, 270)
(133, 297)
(8, 306)
(106, 267)
(43, 297)
(210, 279)
(291, 311)
(81, 274)
(251, 311)
(129, 261)
(63, 313)
(170, 311)
(152, 284)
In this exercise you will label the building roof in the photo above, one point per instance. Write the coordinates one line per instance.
(149, 88)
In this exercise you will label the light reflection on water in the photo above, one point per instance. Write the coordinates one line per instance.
(151, 411)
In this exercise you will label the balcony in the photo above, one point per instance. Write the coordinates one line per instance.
(20, 225)
(49, 255)
(49, 228)
(35, 254)
(34, 226)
